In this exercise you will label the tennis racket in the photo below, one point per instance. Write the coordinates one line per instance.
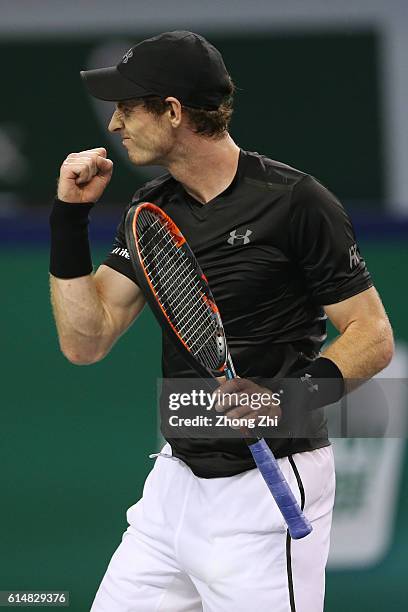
(181, 299)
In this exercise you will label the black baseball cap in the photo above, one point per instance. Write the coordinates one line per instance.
(180, 64)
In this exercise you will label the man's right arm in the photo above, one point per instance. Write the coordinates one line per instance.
(91, 310)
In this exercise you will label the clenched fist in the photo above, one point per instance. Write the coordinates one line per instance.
(84, 176)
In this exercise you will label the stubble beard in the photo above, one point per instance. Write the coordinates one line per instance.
(149, 158)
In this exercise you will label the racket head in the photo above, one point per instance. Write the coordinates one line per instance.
(176, 288)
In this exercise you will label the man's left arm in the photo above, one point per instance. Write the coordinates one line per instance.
(363, 348)
(365, 344)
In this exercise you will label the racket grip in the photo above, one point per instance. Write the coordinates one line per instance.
(298, 525)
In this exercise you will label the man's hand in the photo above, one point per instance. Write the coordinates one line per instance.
(243, 399)
(84, 176)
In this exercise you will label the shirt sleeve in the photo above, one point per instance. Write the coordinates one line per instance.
(324, 246)
(119, 258)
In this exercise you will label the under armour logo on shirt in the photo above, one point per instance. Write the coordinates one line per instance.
(127, 56)
(236, 238)
(354, 256)
(307, 378)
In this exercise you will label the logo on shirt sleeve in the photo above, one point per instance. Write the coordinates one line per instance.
(354, 256)
(239, 238)
(127, 56)
(121, 252)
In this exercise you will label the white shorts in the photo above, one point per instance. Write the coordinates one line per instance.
(220, 544)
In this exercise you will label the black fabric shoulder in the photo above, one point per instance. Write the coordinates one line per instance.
(323, 243)
(270, 172)
(149, 189)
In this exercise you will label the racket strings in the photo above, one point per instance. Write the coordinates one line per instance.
(190, 283)
(179, 288)
(187, 307)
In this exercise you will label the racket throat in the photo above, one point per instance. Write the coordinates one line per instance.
(229, 371)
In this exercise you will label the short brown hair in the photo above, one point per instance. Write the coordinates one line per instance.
(212, 123)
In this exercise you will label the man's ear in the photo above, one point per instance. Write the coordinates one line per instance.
(175, 110)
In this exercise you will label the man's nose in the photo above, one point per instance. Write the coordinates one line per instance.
(116, 122)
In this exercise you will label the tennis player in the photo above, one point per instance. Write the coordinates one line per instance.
(281, 256)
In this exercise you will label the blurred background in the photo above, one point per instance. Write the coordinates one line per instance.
(322, 86)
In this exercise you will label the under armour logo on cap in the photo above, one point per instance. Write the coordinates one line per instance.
(127, 56)
(235, 238)
(179, 63)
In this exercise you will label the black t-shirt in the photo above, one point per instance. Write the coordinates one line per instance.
(275, 246)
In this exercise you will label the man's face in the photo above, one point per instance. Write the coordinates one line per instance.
(147, 138)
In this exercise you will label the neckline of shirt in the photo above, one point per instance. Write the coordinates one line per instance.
(202, 210)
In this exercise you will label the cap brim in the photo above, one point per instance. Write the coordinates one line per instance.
(108, 84)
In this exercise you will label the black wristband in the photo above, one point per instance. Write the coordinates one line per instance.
(319, 384)
(322, 381)
(70, 255)
(301, 393)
